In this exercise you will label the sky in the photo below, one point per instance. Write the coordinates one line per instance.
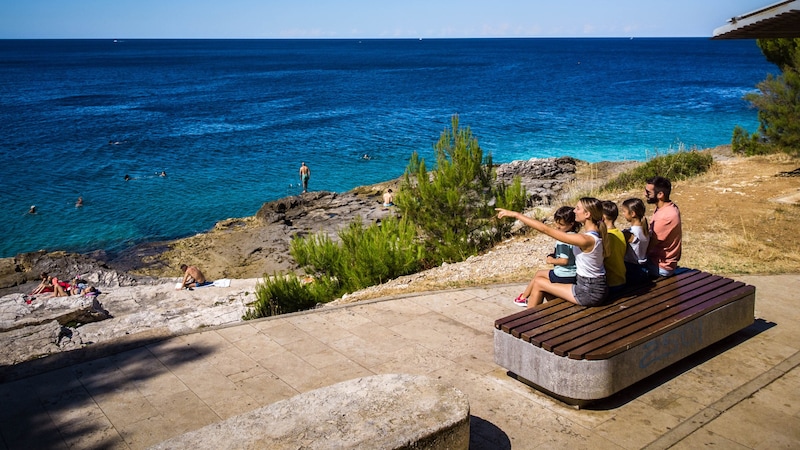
(349, 19)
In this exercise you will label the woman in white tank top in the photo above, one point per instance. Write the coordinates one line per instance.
(591, 288)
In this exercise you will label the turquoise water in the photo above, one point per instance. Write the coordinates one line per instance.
(230, 121)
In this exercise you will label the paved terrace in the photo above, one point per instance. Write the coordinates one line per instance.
(741, 393)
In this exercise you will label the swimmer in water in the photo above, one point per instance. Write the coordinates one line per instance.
(32, 210)
(127, 177)
(79, 203)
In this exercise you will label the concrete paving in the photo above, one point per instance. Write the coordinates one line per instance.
(740, 393)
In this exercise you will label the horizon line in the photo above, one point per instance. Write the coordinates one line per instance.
(423, 38)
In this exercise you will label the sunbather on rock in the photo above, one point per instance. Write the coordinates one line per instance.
(192, 277)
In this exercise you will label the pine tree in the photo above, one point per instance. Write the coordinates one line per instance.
(453, 205)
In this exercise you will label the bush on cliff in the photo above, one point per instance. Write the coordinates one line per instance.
(287, 293)
(364, 256)
(674, 166)
(453, 205)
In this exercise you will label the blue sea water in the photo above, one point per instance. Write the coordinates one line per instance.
(230, 121)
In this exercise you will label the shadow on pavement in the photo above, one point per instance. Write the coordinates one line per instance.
(64, 400)
(668, 373)
(484, 435)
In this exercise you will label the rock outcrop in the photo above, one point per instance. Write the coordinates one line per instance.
(33, 327)
(26, 268)
(544, 179)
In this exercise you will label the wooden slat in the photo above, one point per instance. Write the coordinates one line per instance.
(523, 331)
(710, 297)
(537, 315)
(666, 324)
(508, 323)
(603, 321)
(582, 315)
(610, 332)
(505, 323)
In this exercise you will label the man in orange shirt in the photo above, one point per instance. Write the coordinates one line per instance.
(664, 250)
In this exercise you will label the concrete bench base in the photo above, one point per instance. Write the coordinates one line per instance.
(383, 411)
(582, 381)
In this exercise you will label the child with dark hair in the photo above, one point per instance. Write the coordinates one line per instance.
(615, 261)
(638, 237)
(562, 258)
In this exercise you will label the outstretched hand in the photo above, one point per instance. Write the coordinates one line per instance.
(504, 213)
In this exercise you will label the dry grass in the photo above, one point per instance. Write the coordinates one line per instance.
(732, 221)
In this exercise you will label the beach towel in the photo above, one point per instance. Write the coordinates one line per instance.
(225, 282)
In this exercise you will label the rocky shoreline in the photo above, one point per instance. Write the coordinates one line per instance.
(140, 308)
(137, 287)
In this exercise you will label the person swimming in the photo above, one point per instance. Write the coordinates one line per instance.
(32, 210)
(79, 203)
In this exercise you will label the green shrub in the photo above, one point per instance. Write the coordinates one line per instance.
(674, 166)
(777, 101)
(453, 205)
(778, 104)
(317, 250)
(282, 294)
(744, 143)
(372, 255)
(364, 257)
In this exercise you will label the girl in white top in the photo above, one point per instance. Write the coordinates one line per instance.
(591, 288)
(638, 235)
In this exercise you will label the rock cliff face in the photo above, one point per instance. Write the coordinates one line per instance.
(543, 179)
(254, 246)
(26, 268)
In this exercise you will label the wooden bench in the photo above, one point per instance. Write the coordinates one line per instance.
(581, 354)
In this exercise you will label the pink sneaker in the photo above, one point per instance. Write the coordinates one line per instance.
(521, 301)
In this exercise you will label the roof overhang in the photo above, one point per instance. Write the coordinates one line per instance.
(780, 20)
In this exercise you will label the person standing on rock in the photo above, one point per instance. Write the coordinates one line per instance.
(192, 277)
(305, 173)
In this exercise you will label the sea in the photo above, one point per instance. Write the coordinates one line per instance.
(230, 121)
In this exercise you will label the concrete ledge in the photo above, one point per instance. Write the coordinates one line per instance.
(393, 411)
(581, 381)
